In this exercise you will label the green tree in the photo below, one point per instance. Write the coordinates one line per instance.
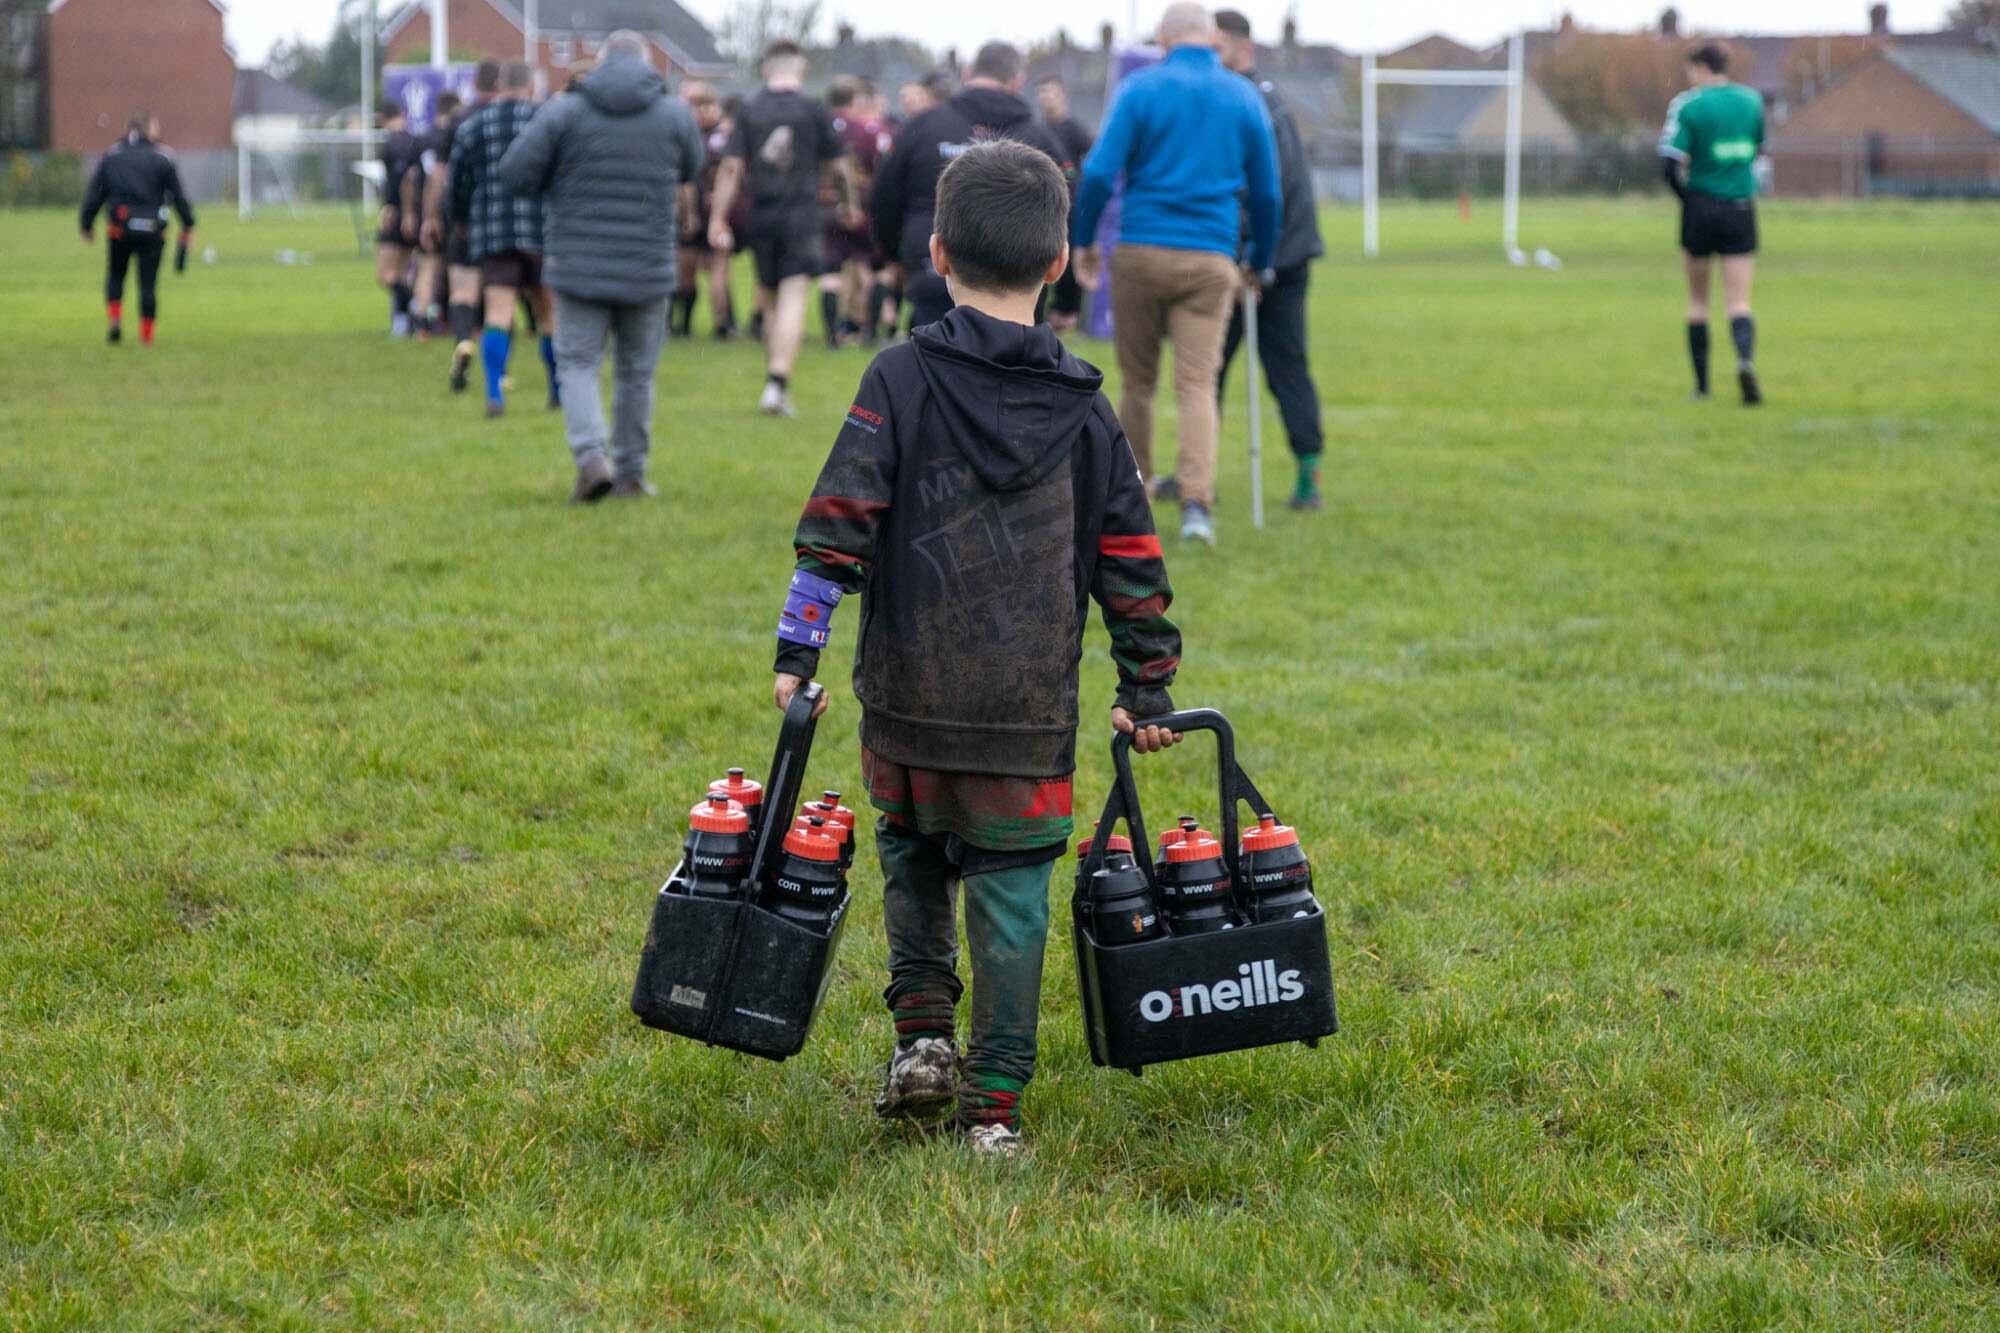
(1974, 16)
(330, 69)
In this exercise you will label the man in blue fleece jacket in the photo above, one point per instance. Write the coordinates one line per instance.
(1192, 141)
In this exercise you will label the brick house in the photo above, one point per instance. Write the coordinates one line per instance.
(1915, 119)
(104, 59)
(568, 30)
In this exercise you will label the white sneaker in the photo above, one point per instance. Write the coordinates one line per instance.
(921, 1079)
(995, 1141)
(776, 402)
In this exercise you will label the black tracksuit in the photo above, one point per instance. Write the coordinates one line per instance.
(1067, 298)
(904, 199)
(133, 184)
(1281, 307)
(979, 496)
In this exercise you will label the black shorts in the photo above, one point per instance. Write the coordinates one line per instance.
(519, 269)
(844, 247)
(787, 247)
(458, 247)
(1711, 225)
(390, 229)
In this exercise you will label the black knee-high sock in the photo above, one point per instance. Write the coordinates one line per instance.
(1698, 353)
(464, 319)
(1743, 329)
(399, 300)
(829, 313)
(682, 322)
(878, 297)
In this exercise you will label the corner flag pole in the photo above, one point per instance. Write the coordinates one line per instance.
(1256, 407)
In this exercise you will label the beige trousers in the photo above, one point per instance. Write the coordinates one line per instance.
(1185, 295)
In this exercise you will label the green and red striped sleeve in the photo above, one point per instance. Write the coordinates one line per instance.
(1130, 584)
(837, 532)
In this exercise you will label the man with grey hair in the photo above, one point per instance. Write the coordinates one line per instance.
(617, 160)
(1192, 141)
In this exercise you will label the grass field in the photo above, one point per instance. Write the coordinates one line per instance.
(1646, 752)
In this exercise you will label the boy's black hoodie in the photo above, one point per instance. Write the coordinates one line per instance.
(979, 494)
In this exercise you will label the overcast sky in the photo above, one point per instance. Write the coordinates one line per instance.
(1353, 24)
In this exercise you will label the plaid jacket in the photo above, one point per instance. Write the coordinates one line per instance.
(498, 219)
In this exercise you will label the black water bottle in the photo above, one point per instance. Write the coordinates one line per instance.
(715, 860)
(808, 887)
(1121, 905)
(1278, 878)
(746, 792)
(837, 816)
(1195, 891)
(812, 820)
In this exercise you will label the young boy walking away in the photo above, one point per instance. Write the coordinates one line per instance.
(980, 492)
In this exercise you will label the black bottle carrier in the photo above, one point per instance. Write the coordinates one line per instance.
(725, 971)
(1151, 1002)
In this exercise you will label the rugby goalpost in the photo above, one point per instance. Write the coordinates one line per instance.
(1511, 78)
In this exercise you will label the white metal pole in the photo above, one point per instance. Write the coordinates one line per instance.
(1371, 222)
(1510, 224)
(531, 34)
(440, 34)
(1256, 407)
(242, 182)
(368, 108)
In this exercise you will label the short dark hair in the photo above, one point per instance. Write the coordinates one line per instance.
(783, 47)
(840, 94)
(1002, 215)
(448, 102)
(388, 108)
(486, 78)
(999, 61)
(938, 84)
(1233, 22)
(1711, 55)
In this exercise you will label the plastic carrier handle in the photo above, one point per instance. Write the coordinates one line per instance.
(787, 777)
(1232, 785)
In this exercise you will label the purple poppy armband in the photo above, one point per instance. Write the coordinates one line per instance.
(808, 616)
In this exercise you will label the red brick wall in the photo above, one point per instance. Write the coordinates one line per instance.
(108, 58)
(1824, 149)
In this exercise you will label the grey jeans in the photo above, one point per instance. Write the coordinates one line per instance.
(581, 328)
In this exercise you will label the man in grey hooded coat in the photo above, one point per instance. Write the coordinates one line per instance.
(618, 160)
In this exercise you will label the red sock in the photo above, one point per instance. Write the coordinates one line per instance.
(115, 309)
(146, 331)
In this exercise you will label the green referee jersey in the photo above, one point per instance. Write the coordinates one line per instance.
(1717, 131)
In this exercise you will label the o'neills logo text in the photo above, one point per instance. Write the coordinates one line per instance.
(1256, 983)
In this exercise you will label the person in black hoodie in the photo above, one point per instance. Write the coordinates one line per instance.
(904, 200)
(979, 495)
(134, 182)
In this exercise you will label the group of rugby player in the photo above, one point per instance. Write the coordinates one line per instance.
(789, 176)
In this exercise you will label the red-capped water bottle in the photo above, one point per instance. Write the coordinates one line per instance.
(715, 859)
(1195, 892)
(1278, 878)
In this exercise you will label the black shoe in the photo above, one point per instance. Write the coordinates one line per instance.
(724, 332)
(1746, 379)
(1167, 488)
(115, 334)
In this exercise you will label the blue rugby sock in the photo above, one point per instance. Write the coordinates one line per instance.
(494, 346)
(549, 360)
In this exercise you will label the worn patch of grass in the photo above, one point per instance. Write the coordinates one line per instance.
(1646, 753)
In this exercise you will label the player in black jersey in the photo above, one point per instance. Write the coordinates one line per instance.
(402, 210)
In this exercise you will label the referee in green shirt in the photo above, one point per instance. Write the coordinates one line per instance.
(1710, 146)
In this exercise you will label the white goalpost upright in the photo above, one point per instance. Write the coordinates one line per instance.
(1372, 78)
